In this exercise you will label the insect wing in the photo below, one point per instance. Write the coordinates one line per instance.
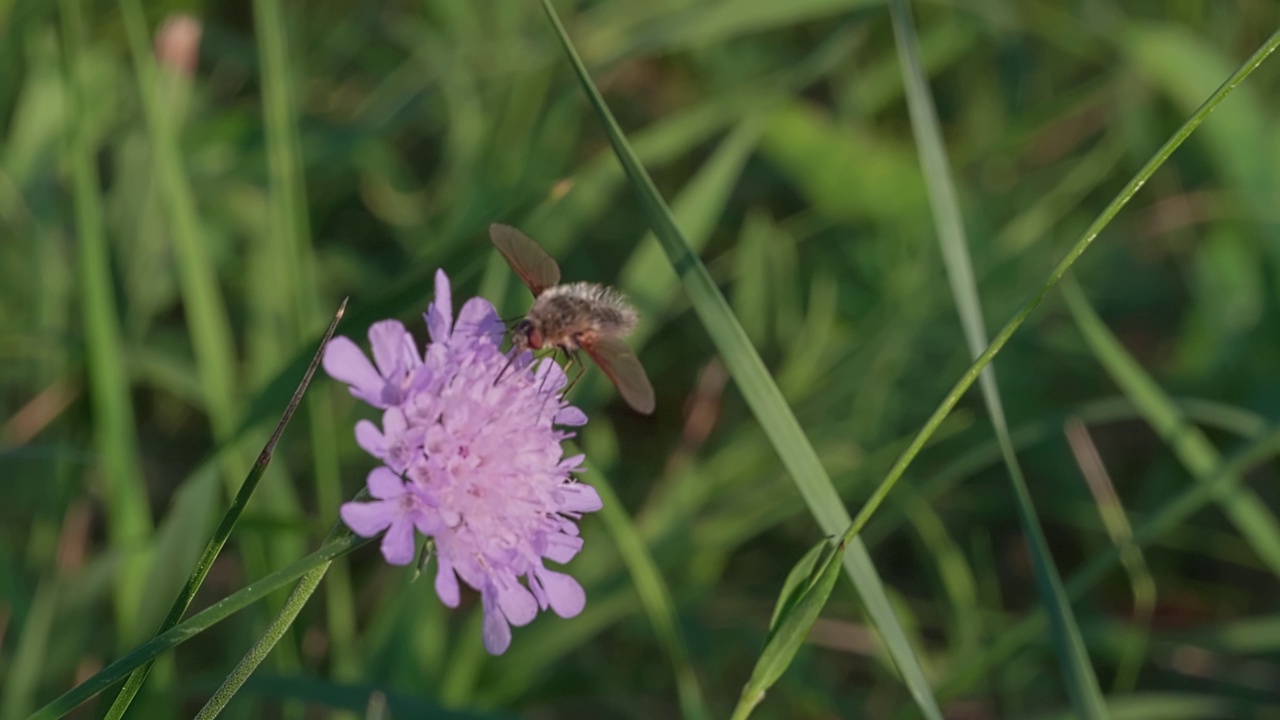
(622, 366)
(534, 266)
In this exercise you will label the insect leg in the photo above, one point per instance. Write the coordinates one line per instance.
(582, 368)
(555, 355)
(510, 359)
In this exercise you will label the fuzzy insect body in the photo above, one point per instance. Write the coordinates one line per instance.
(570, 316)
(567, 317)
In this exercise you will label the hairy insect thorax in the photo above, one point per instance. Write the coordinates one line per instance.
(564, 313)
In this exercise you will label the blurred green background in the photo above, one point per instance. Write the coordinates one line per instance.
(174, 238)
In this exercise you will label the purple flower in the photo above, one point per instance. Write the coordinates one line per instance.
(471, 455)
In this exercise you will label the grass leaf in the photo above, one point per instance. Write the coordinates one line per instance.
(803, 596)
(1082, 683)
(758, 389)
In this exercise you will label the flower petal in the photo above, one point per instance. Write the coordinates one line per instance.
(370, 439)
(517, 603)
(440, 312)
(366, 519)
(497, 633)
(571, 416)
(562, 548)
(478, 321)
(566, 596)
(550, 376)
(394, 421)
(446, 582)
(580, 498)
(397, 545)
(346, 362)
(384, 484)
(387, 340)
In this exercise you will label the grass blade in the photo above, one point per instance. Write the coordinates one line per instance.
(289, 247)
(197, 624)
(1033, 626)
(654, 595)
(280, 624)
(803, 596)
(1082, 244)
(1247, 511)
(228, 523)
(758, 389)
(1141, 583)
(1265, 446)
(1082, 683)
(208, 322)
(124, 492)
(210, 328)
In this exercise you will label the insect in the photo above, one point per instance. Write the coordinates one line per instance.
(566, 317)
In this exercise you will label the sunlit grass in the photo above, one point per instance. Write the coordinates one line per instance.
(173, 247)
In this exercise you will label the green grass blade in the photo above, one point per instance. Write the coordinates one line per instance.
(206, 312)
(276, 630)
(1242, 506)
(124, 491)
(759, 390)
(802, 598)
(197, 624)
(1141, 583)
(1081, 245)
(291, 251)
(209, 325)
(654, 596)
(1082, 683)
(30, 650)
(702, 25)
(228, 523)
(1163, 706)
(700, 204)
(1169, 516)
(1034, 625)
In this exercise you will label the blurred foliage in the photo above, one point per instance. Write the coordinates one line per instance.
(780, 135)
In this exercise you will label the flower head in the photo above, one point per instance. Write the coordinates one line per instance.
(470, 446)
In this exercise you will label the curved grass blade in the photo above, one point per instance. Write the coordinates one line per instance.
(290, 251)
(654, 596)
(803, 596)
(1141, 582)
(1242, 506)
(198, 623)
(129, 524)
(1082, 244)
(758, 389)
(1103, 410)
(280, 624)
(1171, 514)
(1034, 625)
(1082, 683)
(228, 523)
(205, 310)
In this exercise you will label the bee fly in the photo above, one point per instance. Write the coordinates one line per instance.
(576, 315)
